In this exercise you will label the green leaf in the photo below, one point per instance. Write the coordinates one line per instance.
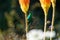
(29, 17)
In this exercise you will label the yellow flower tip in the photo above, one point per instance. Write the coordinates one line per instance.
(45, 4)
(45, 11)
(24, 5)
(24, 8)
(53, 2)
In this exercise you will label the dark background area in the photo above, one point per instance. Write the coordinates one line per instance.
(5, 5)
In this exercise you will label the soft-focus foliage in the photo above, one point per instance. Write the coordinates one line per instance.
(12, 17)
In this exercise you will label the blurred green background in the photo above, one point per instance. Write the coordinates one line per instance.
(11, 15)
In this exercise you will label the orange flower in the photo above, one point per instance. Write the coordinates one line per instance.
(24, 4)
(45, 4)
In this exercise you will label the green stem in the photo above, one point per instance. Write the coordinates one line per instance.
(45, 25)
(53, 15)
(26, 22)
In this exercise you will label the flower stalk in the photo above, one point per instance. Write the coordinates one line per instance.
(45, 4)
(24, 5)
(53, 15)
